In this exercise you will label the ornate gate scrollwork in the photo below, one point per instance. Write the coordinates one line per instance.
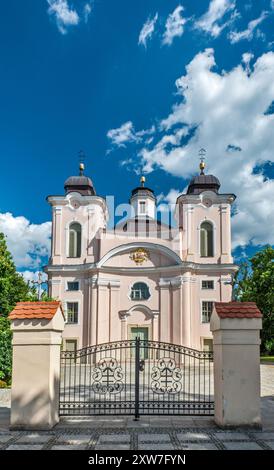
(107, 377)
(119, 379)
(166, 377)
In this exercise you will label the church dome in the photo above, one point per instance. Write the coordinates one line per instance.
(143, 191)
(80, 184)
(201, 183)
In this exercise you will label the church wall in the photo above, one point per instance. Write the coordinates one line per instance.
(191, 217)
(91, 219)
(174, 305)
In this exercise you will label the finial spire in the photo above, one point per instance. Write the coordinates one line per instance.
(142, 181)
(81, 162)
(202, 155)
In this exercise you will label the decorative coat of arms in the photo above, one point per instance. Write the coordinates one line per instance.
(139, 256)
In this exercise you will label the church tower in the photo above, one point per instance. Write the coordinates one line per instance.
(203, 216)
(78, 218)
(143, 201)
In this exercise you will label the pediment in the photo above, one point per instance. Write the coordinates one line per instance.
(140, 255)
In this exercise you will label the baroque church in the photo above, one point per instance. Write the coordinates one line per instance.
(142, 277)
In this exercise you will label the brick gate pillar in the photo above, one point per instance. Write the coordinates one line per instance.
(236, 346)
(37, 335)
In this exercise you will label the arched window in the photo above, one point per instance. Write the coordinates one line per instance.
(139, 291)
(75, 233)
(206, 239)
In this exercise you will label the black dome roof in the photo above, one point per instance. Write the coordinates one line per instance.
(80, 184)
(142, 191)
(201, 183)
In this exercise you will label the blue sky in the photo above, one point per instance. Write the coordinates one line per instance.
(139, 86)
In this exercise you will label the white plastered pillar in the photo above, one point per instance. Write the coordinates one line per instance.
(36, 372)
(236, 347)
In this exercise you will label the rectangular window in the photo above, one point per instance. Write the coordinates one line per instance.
(207, 308)
(208, 345)
(207, 284)
(71, 345)
(73, 285)
(142, 207)
(72, 312)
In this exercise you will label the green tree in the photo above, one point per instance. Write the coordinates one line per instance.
(5, 351)
(254, 282)
(13, 288)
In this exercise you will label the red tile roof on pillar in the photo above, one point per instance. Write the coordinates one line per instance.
(237, 310)
(29, 310)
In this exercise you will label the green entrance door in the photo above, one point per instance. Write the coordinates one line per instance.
(142, 333)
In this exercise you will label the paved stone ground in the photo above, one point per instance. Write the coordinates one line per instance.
(150, 433)
(147, 439)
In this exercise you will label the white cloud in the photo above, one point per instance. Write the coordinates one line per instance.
(174, 25)
(147, 30)
(28, 243)
(64, 14)
(227, 109)
(210, 21)
(246, 59)
(272, 4)
(126, 133)
(87, 12)
(236, 36)
(122, 135)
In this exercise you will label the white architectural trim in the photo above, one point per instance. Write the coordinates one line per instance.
(209, 279)
(72, 301)
(149, 246)
(196, 268)
(215, 198)
(201, 309)
(108, 282)
(176, 281)
(55, 282)
(126, 313)
(68, 224)
(75, 280)
(214, 236)
(98, 281)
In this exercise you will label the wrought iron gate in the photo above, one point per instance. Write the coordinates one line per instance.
(136, 377)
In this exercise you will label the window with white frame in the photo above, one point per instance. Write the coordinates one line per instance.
(206, 240)
(139, 291)
(71, 345)
(207, 284)
(75, 235)
(72, 312)
(207, 308)
(73, 285)
(142, 207)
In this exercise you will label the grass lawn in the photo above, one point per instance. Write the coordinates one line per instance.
(267, 358)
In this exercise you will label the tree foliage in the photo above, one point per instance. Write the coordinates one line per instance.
(5, 351)
(255, 283)
(13, 288)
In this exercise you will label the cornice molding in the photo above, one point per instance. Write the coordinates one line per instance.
(215, 198)
(101, 282)
(185, 266)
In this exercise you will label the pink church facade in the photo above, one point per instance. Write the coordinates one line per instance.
(141, 278)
